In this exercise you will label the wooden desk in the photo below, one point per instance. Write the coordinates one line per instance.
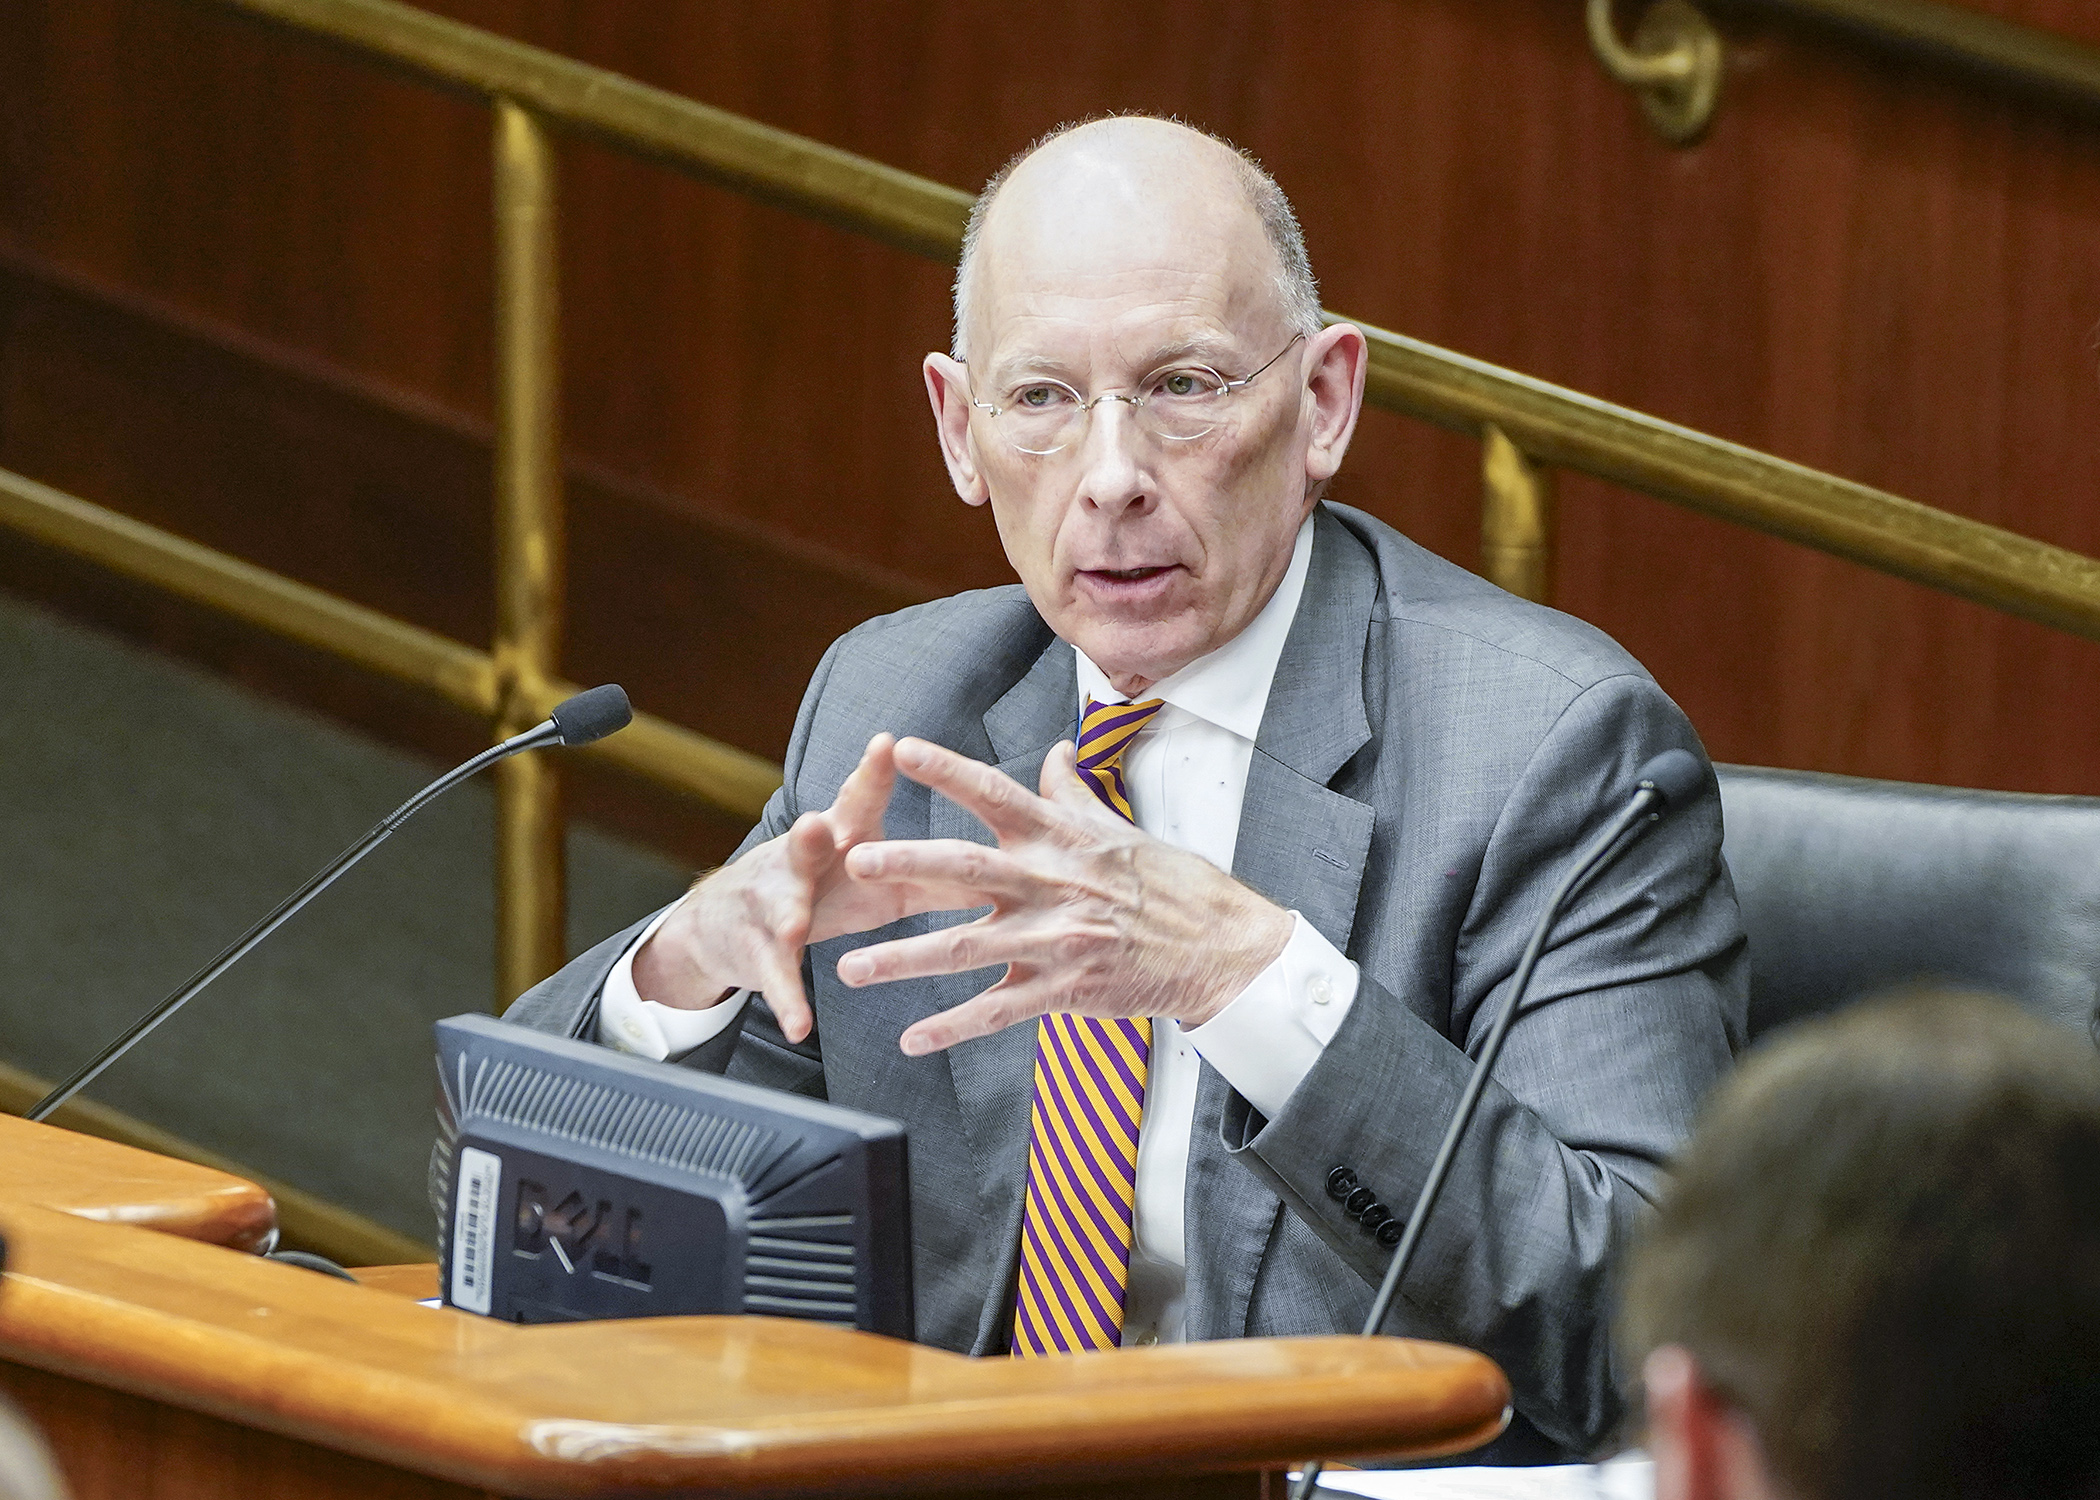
(166, 1368)
(413, 1282)
(98, 1179)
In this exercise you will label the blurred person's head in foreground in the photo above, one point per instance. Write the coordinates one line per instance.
(1877, 1271)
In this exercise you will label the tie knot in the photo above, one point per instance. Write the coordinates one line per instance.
(1105, 732)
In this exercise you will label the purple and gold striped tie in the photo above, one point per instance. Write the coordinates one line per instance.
(1083, 1128)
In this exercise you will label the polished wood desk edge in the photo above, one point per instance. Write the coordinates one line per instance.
(446, 1394)
(416, 1282)
(98, 1179)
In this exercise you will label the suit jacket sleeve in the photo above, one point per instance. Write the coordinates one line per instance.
(1634, 1011)
(566, 1003)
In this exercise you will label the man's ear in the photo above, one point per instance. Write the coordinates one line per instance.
(1335, 364)
(1703, 1447)
(948, 388)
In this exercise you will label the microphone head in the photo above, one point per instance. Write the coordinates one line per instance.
(1674, 774)
(595, 713)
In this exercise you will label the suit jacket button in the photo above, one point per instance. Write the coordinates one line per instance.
(1374, 1216)
(1341, 1182)
(1360, 1200)
(1389, 1233)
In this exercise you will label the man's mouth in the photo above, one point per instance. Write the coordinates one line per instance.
(1129, 588)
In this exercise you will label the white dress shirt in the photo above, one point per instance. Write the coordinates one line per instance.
(1186, 773)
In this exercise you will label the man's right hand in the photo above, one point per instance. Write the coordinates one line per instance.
(745, 925)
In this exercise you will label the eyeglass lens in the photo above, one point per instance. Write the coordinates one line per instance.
(1178, 405)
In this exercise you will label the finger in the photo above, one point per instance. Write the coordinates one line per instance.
(856, 813)
(1062, 784)
(991, 940)
(1002, 804)
(781, 968)
(953, 950)
(785, 928)
(1007, 1003)
(811, 856)
(883, 904)
(972, 873)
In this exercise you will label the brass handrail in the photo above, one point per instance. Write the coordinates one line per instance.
(1675, 63)
(791, 171)
(1524, 425)
(2026, 56)
(1548, 423)
(728, 778)
(305, 1221)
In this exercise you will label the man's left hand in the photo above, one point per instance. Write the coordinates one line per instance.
(1089, 913)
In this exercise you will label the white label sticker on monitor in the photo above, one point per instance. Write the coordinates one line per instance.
(474, 1228)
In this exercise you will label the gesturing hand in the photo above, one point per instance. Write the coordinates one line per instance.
(745, 925)
(1089, 914)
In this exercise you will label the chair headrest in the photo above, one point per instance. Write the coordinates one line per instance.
(1849, 886)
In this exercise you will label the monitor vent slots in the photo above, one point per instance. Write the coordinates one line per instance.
(649, 1130)
(790, 1272)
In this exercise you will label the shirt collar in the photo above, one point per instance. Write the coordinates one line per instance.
(1230, 686)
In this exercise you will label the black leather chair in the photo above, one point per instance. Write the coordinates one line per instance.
(1851, 886)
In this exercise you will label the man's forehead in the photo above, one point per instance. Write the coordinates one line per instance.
(1065, 335)
(1121, 216)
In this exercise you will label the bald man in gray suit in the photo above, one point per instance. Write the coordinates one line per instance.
(1361, 770)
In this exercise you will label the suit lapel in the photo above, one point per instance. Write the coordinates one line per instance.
(1301, 844)
(1304, 846)
(994, 1076)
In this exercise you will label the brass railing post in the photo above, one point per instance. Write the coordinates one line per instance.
(1516, 519)
(530, 550)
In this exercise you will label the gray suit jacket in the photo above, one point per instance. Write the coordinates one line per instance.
(1432, 753)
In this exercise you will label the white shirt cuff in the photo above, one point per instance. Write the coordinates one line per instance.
(1269, 1037)
(629, 1023)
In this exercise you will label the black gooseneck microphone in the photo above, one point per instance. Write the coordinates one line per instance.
(590, 715)
(1663, 783)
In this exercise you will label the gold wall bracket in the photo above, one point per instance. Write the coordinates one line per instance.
(1674, 65)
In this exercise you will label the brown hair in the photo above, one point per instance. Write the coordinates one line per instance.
(1883, 1246)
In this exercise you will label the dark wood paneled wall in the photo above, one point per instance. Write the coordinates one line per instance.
(244, 286)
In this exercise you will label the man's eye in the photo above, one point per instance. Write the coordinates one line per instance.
(1181, 384)
(1039, 397)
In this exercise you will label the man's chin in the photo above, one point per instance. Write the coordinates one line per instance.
(1142, 654)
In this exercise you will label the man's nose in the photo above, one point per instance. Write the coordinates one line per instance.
(1113, 473)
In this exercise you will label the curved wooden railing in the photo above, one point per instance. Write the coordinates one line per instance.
(1526, 428)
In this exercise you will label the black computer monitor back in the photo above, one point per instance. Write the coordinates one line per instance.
(578, 1182)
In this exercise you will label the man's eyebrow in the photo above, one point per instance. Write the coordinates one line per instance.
(1029, 364)
(1209, 348)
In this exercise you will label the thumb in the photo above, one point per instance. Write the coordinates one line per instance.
(809, 847)
(1061, 782)
(856, 813)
